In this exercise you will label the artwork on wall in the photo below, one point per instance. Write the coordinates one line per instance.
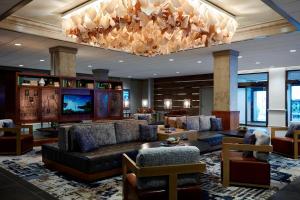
(50, 104)
(126, 99)
(29, 104)
(115, 104)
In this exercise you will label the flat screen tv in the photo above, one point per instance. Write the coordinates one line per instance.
(77, 104)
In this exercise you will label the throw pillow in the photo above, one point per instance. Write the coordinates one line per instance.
(205, 124)
(180, 121)
(85, 139)
(216, 124)
(104, 133)
(192, 123)
(262, 138)
(128, 130)
(148, 133)
(292, 127)
(249, 138)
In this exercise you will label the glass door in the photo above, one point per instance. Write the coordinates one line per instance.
(259, 106)
(295, 103)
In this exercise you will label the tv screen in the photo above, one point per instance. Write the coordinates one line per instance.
(77, 104)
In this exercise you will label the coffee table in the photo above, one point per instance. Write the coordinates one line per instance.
(188, 134)
(204, 147)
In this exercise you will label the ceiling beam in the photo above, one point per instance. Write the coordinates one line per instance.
(283, 13)
(14, 8)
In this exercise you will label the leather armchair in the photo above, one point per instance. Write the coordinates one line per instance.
(17, 142)
(239, 170)
(131, 192)
(285, 145)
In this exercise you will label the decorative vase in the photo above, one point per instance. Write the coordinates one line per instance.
(42, 82)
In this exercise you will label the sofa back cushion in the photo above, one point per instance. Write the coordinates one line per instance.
(205, 124)
(104, 133)
(262, 138)
(193, 123)
(128, 130)
(148, 133)
(167, 156)
(216, 124)
(85, 138)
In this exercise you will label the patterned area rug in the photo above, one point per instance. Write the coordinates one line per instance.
(30, 167)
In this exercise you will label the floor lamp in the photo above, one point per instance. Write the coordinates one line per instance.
(167, 106)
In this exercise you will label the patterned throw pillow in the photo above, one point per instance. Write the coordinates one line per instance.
(262, 138)
(148, 133)
(293, 127)
(193, 123)
(85, 139)
(216, 124)
(249, 138)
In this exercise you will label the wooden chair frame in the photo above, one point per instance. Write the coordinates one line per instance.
(167, 170)
(295, 138)
(18, 131)
(236, 144)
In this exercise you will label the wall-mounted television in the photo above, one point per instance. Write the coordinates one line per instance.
(77, 104)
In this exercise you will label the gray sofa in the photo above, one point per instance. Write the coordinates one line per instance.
(113, 138)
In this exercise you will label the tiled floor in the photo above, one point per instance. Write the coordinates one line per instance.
(14, 188)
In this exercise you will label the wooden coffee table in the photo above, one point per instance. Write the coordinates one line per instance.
(189, 134)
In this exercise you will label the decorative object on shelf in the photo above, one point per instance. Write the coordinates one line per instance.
(145, 103)
(56, 84)
(33, 83)
(168, 104)
(90, 85)
(118, 87)
(42, 82)
(149, 28)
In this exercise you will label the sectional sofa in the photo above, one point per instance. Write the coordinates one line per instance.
(113, 139)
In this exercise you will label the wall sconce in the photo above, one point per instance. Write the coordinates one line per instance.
(168, 104)
(145, 103)
(186, 103)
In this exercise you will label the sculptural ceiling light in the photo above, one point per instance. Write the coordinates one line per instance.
(149, 27)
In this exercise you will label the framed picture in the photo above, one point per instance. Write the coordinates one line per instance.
(126, 99)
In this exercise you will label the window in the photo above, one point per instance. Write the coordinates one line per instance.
(293, 96)
(295, 103)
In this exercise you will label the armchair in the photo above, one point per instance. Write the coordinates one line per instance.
(16, 142)
(173, 192)
(285, 145)
(239, 170)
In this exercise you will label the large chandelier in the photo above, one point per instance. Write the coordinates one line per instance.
(149, 27)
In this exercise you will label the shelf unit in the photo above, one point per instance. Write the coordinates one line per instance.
(39, 98)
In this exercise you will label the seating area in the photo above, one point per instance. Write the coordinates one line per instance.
(149, 99)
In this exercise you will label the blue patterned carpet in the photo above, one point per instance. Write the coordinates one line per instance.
(30, 167)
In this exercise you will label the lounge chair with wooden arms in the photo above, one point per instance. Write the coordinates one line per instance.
(288, 146)
(148, 182)
(15, 140)
(239, 170)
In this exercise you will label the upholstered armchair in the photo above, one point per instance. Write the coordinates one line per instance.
(15, 140)
(134, 176)
(239, 170)
(288, 146)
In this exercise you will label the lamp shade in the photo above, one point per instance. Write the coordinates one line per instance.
(126, 104)
(186, 103)
(145, 103)
(168, 104)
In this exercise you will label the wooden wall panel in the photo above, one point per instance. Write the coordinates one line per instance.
(180, 88)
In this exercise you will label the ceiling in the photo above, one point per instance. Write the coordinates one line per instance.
(5, 5)
(273, 51)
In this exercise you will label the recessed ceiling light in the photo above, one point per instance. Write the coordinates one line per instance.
(21, 65)
(42, 60)
(199, 61)
(240, 57)
(257, 63)
(171, 59)
(293, 50)
(121, 61)
(90, 66)
(18, 44)
(154, 74)
(177, 72)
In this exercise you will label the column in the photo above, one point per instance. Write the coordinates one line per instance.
(225, 88)
(63, 61)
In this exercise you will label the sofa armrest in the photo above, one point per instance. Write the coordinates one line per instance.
(274, 129)
(230, 140)
(17, 131)
(296, 146)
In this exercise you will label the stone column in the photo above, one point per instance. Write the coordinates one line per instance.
(225, 88)
(63, 61)
(101, 74)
